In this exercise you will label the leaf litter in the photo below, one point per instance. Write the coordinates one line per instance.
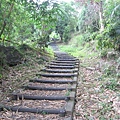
(20, 75)
(94, 102)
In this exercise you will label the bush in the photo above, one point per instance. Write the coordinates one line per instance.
(66, 34)
(93, 35)
(110, 71)
(103, 53)
(104, 41)
(110, 37)
(86, 37)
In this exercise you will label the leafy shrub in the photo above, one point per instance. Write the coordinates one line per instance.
(110, 37)
(103, 53)
(66, 34)
(86, 37)
(79, 40)
(93, 35)
(104, 41)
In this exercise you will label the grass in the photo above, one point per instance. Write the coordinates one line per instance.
(79, 48)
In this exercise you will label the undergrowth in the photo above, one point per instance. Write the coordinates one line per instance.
(80, 48)
(97, 73)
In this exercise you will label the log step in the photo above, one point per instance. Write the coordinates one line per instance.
(34, 97)
(46, 88)
(60, 67)
(33, 110)
(59, 71)
(57, 75)
(56, 61)
(53, 81)
(61, 64)
(64, 57)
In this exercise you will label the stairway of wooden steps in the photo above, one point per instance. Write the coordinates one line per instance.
(52, 92)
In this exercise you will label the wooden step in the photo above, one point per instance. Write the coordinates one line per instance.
(53, 81)
(63, 64)
(60, 67)
(48, 88)
(33, 110)
(60, 71)
(35, 97)
(63, 61)
(57, 75)
(66, 59)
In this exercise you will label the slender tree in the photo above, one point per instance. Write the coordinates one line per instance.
(94, 7)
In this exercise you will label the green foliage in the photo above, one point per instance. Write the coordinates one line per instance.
(109, 71)
(109, 38)
(82, 39)
(27, 21)
(2, 63)
(86, 37)
(68, 93)
(66, 23)
(93, 35)
(66, 34)
(103, 53)
(50, 51)
(112, 85)
(89, 22)
(104, 41)
(79, 47)
(88, 18)
(54, 35)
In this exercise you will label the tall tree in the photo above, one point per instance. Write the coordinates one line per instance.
(93, 8)
(22, 20)
(67, 22)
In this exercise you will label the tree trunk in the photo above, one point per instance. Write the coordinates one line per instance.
(101, 17)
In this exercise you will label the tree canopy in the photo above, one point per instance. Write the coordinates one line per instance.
(33, 21)
(101, 17)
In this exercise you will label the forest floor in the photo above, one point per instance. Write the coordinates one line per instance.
(98, 91)
(16, 76)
